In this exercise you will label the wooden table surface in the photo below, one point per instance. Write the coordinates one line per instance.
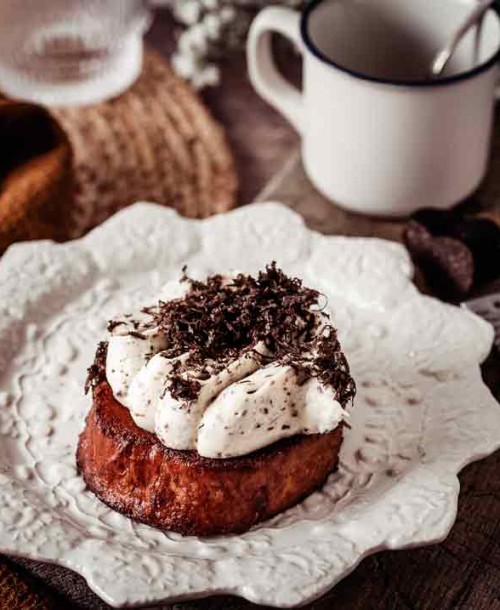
(461, 573)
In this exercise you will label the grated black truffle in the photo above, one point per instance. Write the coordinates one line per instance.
(219, 318)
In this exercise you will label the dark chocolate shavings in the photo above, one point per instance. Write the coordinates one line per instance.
(137, 335)
(112, 324)
(97, 371)
(219, 319)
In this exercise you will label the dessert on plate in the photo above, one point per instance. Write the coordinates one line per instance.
(217, 407)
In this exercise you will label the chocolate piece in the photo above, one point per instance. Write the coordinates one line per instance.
(479, 235)
(482, 237)
(112, 324)
(437, 222)
(137, 335)
(446, 263)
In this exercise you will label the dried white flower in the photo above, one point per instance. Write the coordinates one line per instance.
(187, 11)
(212, 28)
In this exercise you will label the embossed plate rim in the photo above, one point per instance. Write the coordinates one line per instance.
(315, 537)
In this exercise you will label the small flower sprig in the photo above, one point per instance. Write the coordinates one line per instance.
(211, 30)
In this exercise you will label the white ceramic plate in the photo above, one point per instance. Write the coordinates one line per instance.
(421, 413)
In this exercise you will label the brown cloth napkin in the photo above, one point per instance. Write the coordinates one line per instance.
(15, 593)
(36, 175)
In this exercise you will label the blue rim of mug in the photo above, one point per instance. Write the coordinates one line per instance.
(447, 80)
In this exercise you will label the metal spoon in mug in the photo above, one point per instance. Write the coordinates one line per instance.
(442, 58)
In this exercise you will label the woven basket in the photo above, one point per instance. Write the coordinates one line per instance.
(156, 142)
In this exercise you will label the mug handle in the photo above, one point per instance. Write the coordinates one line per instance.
(265, 78)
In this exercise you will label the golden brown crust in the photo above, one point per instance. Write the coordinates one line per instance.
(134, 473)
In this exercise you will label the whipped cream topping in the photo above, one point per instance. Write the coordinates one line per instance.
(248, 403)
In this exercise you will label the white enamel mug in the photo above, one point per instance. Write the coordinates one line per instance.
(378, 135)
